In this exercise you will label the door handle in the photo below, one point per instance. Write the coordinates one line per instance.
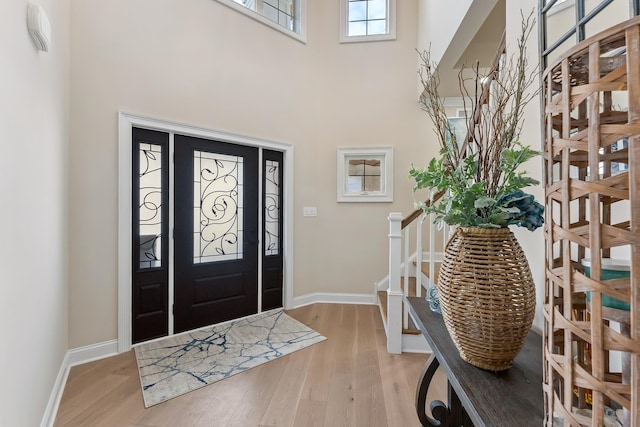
(252, 238)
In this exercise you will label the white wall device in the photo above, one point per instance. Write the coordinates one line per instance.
(39, 27)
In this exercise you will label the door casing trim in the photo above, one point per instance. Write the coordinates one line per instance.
(126, 122)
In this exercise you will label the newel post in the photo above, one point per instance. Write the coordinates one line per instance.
(394, 293)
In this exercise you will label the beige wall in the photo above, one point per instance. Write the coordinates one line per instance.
(531, 242)
(448, 30)
(440, 22)
(204, 64)
(34, 116)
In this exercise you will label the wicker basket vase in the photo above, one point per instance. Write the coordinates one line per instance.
(487, 296)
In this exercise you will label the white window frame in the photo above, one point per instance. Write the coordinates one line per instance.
(344, 25)
(258, 16)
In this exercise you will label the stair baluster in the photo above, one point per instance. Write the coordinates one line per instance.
(394, 292)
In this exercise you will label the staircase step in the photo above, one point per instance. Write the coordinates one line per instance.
(412, 330)
(412, 286)
(382, 297)
(425, 269)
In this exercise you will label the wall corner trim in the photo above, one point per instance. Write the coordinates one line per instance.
(51, 410)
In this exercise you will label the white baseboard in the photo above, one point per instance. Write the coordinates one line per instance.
(383, 284)
(334, 298)
(89, 353)
(75, 356)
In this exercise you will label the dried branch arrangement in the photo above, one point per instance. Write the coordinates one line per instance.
(481, 171)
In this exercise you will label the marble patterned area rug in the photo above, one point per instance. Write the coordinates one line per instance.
(182, 363)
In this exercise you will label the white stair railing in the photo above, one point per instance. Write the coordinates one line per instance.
(405, 279)
(403, 264)
(412, 262)
(418, 260)
(394, 292)
(432, 245)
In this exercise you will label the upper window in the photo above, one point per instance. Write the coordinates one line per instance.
(367, 20)
(286, 16)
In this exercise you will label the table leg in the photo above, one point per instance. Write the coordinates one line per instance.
(457, 415)
(438, 409)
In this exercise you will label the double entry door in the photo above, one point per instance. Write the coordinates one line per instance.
(217, 255)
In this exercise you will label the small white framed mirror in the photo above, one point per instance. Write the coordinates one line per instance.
(365, 174)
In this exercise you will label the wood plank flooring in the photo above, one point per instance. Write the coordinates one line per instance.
(347, 380)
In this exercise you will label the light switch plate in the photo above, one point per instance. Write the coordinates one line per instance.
(310, 211)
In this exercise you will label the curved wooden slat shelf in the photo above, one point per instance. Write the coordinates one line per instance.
(592, 190)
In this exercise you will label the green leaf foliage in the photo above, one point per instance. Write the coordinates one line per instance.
(467, 202)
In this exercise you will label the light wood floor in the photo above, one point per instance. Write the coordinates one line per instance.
(347, 380)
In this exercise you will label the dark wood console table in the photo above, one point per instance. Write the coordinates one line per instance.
(477, 397)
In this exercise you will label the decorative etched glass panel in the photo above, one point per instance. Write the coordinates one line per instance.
(150, 221)
(218, 208)
(272, 208)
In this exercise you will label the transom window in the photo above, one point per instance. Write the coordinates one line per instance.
(367, 20)
(280, 11)
(287, 16)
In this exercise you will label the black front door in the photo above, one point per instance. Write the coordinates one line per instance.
(215, 232)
